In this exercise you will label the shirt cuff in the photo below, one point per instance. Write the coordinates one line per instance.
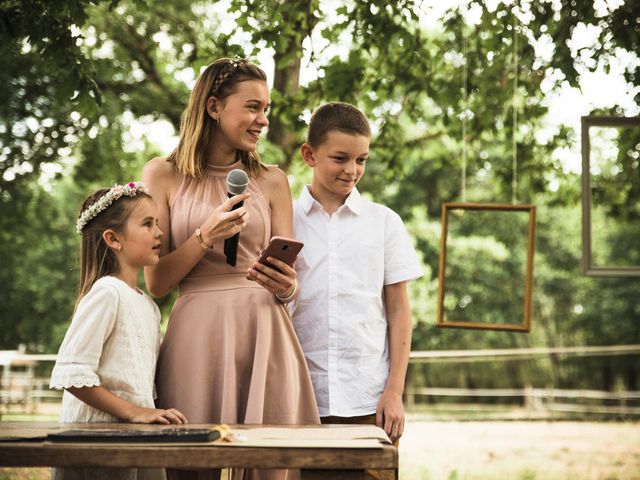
(76, 375)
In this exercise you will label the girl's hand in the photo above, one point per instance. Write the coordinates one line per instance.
(224, 222)
(102, 399)
(157, 415)
(277, 282)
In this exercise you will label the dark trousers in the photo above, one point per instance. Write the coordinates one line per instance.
(361, 420)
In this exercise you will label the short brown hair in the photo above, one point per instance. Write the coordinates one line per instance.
(339, 116)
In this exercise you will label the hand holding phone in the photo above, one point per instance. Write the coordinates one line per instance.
(282, 248)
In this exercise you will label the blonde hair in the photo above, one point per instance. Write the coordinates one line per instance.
(97, 260)
(219, 79)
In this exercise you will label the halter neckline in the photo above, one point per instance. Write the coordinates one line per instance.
(222, 170)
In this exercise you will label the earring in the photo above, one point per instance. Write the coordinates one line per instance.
(217, 120)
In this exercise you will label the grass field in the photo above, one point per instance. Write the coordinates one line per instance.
(512, 450)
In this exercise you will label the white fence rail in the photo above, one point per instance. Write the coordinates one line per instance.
(20, 388)
(519, 353)
(543, 399)
(533, 399)
(19, 384)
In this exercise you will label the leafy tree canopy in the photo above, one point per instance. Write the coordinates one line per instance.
(451, 102)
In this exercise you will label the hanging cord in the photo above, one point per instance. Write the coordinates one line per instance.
(465, 101)
(514, 147)
(465, 49)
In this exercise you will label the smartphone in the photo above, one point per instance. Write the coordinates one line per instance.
(282, 248)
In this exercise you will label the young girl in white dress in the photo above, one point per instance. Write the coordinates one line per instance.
(106, 363)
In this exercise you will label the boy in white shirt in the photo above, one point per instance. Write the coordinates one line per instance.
(352, 314)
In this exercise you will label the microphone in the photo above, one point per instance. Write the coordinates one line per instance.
(237, 181)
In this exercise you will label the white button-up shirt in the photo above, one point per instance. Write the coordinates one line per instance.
(339, 314)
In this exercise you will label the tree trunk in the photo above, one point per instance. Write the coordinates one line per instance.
(286, 78)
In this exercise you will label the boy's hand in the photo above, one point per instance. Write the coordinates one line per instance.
(157, 415)
(390, 414)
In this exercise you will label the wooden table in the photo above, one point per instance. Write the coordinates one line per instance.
(334, 457)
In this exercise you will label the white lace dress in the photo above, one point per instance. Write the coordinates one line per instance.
(113, 341)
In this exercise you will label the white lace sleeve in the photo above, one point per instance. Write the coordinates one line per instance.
(80, 352)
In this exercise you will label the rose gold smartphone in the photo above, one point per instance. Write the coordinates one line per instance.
(282, 248)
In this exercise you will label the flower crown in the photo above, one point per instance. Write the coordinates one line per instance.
(130, 189)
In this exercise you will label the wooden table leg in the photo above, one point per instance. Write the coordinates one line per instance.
(386, 474)
(332, 474)
(208, 474)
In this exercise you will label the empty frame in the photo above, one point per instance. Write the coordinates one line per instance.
(486, 266)
(611, 196)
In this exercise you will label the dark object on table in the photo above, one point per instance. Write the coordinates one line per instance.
(161, 435)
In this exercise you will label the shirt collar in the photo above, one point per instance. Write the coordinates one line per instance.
(354, 201)
(306, 200)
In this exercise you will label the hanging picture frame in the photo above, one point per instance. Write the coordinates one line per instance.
(610, 196)
(486, 266)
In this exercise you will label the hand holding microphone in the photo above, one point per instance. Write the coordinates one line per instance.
(237, 181)
(230, 217)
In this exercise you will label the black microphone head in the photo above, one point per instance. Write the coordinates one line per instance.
(237, 181)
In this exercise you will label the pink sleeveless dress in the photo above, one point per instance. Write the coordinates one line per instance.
(230, 354)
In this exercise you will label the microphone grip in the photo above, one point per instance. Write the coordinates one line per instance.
(231, 243)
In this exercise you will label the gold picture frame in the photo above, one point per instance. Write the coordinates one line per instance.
(525, 260)
(589, 267)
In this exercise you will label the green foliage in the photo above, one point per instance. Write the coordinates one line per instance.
(616, 187)
(45, 77)
(39, 281)
(79, 76)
